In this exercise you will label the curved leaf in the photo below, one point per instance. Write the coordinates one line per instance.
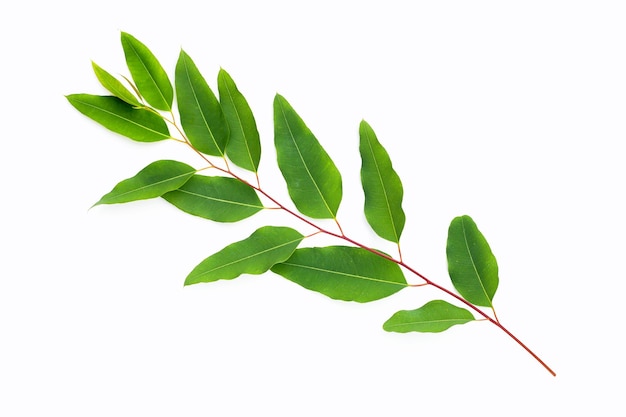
(343, 273)
(434, 316)
(115, 86)
(200, 112)
(221, 199)
(153, 181)
(313, 181)
(471, 264)
(149, 76)
(244, 145)
(120, 117)
(382, 187)
(253, 255)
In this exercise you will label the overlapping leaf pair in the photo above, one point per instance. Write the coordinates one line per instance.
(223, 127)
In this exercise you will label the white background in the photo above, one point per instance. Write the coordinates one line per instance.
(511, 112)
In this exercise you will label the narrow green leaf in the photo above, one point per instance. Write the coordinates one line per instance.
(120, 117)
(153, 181)
(200, 112)
(471, 264)
(253, 255)
(381, 185)
(114, 86)
(148, 74)
(220, 199)
(343, 273)
(313, 181)
(244, 145)
(434, 317)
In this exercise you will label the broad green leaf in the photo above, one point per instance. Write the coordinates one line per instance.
(381, 185)
(313, 181)
(244, 145)
(471, 264)
(253, 255)
(434, 316)
(148, 74)
(343, 273)
(153, 181)
(200, 112)
(115, 86)
(120, 117)
(222, 199)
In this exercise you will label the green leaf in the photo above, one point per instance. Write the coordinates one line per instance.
(253, 255)
(200, 112)
(381, 185)
(120, 117)
(244, 145)
(471, 264)
(221, 199)
(313, 181)
(343, 273)
(148, 74)
(434, 316)
(153, 181)
(115, 86)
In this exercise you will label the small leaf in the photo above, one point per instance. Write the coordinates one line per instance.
(434, 316)
(382, 187)
(254, 255)
(148, 74)
(120, 117)
(200, 112)
(244, 145)
(220, 199)
(313, 181)
(115, 86)
(343, 273)
(153, 181)
(471, 264)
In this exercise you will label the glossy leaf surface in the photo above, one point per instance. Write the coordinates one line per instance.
(200, 112)
(244, 144)
(343, 273)
(221, 199)
(433, 317)
(120, 117)
(313, 180)
(253, 255)
(381, 185)
(114, 86)
(471, 264)
(153, 181)
(147, 73)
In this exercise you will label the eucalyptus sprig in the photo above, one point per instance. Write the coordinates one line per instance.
(222, 130)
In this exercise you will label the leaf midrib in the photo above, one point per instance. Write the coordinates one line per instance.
(362, 277)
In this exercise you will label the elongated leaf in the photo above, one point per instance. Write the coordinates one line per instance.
(200, 112)
(253, 255)
(153, 181)
(221, 199)
(434, 316)
(120, 117)
(343, 273)
(148, 74)
(471, 264)
(115, 86)
(244, 145)
(381, 185)
(313, 181)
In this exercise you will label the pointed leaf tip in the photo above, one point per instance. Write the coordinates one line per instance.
(433, 317)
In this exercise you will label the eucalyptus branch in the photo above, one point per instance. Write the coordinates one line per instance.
(225, 127)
